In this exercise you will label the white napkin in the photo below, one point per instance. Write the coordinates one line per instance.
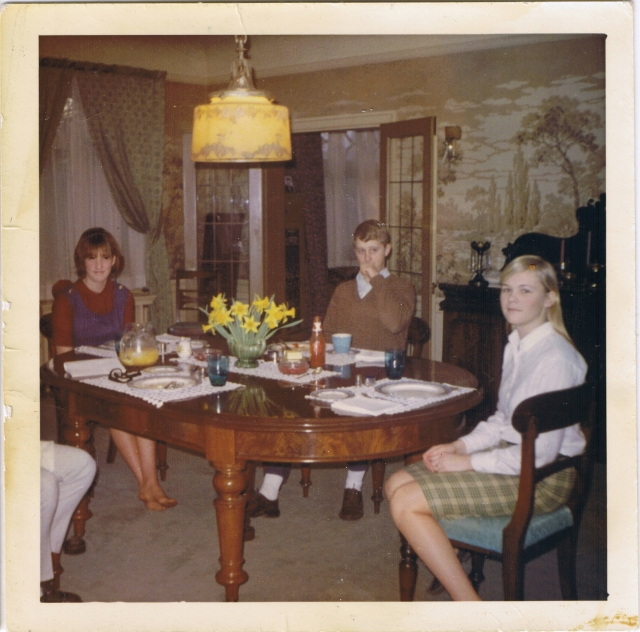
(365, 406)
(365, 356)
(84, 369)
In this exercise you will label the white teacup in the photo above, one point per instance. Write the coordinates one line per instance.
(341, 342)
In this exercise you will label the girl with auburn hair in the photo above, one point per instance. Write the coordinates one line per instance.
(478, 475)
(92, 311)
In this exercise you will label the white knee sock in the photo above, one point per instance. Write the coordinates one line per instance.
(271, 486)
(354, 479)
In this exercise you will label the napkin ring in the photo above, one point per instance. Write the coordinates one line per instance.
(117, 375)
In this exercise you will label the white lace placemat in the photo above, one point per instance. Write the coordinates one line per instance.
(403, 404)
(268, 370)
(159, 397)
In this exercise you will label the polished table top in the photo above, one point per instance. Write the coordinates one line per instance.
(267, 421)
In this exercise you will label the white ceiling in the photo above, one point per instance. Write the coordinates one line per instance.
(207, 59)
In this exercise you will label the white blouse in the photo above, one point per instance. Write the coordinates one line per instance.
(541, 362)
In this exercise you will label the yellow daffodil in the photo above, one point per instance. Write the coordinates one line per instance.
(274, 311)
(260, 304)
(239, 309)
(222, 317)
(250, 324)
(218, 302)
(287, 312)
(272, 321)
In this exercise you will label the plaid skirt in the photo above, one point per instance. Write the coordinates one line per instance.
(471, 493)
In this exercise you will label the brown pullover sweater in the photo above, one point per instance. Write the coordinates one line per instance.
(378, 321)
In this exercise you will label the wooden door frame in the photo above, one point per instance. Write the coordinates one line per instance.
(425, 127)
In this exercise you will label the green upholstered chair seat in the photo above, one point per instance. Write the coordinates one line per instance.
(486, 533)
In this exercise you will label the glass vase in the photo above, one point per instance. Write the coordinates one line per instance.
(247, 355)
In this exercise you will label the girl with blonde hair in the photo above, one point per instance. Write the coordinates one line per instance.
(478, 474)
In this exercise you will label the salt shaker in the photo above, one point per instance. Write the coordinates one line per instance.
(184, 348)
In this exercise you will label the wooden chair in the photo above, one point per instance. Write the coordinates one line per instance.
(516, 539)
(46, 329)
(194, 289)
(419, 335)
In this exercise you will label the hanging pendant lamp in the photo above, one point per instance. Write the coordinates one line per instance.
(241, 124)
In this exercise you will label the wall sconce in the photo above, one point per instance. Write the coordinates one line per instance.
(451, 135)
(241, 124)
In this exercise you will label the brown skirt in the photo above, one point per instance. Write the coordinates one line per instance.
(471, 493)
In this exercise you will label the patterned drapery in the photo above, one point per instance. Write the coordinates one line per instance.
(125, 113)
(308, 176)
(55, 88)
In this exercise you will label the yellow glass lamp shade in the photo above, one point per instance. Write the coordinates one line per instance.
(237, 126)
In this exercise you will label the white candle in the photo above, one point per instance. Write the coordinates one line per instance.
(588, 247)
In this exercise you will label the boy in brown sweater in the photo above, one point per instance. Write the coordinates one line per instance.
(376, 308)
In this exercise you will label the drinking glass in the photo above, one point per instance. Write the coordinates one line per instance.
(394, 363)
(217, 367)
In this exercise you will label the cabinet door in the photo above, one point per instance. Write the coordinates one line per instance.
(407, 172)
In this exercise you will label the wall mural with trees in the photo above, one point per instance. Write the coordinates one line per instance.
(556, 148)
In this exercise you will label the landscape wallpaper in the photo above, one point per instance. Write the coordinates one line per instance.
(532, 148)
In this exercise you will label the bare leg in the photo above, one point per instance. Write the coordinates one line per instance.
(140, 455)
(412, 515)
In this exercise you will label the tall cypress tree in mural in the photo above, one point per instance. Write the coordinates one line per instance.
(562, 135)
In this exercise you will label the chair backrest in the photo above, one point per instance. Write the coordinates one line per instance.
(194, 289)
(543, 413)
(419, 335)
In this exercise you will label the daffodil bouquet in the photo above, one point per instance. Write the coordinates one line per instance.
(248, 324)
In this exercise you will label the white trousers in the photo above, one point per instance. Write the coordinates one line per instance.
(66, 474)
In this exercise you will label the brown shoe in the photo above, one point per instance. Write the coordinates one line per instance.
(258, 505)
(51, 595)
(352, 508)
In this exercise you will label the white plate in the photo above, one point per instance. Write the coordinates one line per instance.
(163, 383)
(408, 389)
(161, 370)
(331, 394)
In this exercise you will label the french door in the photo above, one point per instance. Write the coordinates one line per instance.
(407, 189)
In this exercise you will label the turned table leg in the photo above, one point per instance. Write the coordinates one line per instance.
(305, 480)
(229, 482)
(377, 474)
(78, 433)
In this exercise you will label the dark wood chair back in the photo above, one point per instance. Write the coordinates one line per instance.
(194, 289)
(532, 417)
(419, 335)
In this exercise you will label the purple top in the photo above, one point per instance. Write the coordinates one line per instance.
(94, 329)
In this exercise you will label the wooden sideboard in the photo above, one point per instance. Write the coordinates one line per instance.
(475, 333)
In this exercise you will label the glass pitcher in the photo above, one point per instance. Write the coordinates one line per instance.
(138, 346)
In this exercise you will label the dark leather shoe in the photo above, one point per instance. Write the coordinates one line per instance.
(352, 507)
(258, 505)
(51, 595)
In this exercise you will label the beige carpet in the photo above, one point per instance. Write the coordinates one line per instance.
(308, 554)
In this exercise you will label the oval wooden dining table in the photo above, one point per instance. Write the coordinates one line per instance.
(266, 421)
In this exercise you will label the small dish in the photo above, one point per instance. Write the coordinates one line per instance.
(332, 394)
(160, 370)
(298, 346)
(169, 383)
(293, 367)
(413, 389)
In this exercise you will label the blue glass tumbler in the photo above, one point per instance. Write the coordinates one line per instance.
(217, 367)
(394, 363)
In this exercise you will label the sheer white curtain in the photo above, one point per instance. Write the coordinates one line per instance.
(351, 183)
(74, 196)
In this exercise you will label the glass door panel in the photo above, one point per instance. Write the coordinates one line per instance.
(222, 215)
(406, 202)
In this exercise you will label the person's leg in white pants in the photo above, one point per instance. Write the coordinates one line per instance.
(61, 489)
